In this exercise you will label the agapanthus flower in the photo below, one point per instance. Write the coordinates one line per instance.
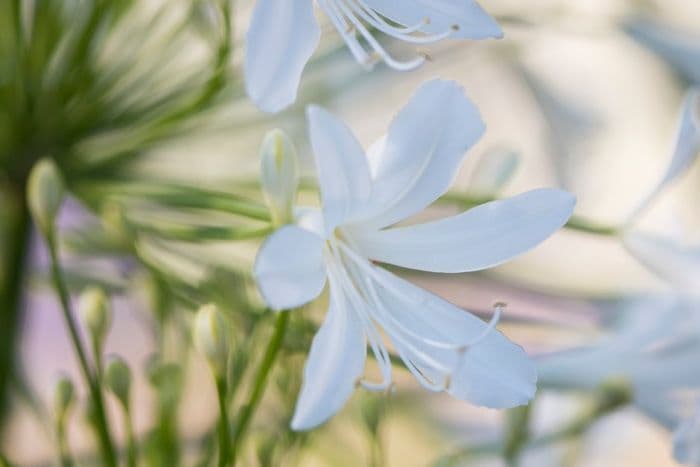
(364, 194)
(283, 35)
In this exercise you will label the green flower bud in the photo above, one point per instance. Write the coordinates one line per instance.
(493, 171)
(279, 175)
(211, 338)
(63, 397)
(118, 379)
(45, 194)
(96, 313)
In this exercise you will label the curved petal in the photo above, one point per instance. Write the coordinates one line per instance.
(494, 372)
(282, 36)
(342, 168)
(418, 160)
(336, 362)
(465, 17)
(289, 268)
(673, 262)
(480, 238)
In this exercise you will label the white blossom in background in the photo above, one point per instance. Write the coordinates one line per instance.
(654, 346)
(686, 441)
(283, 34)
(364, 194)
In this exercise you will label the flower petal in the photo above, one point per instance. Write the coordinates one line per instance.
(283, 35)
(494, 372)
(479, 238)
(418, 160)
(341, 165)
(289, 268)
(672, 261)
(336, 362)
(465, 17)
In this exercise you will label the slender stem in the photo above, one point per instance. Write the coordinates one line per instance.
(260, 383)
(90, 378)
(224, 434)
(66, 460)
(15, 250)
(131, 447)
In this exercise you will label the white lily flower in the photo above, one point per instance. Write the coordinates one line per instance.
(364, 195)
(283, 35)
(654, 346)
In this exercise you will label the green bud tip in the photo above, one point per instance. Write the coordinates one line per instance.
(211, 338)
(279, 175)
(96, 312)
(118, 379)
(64, 396)
(45, 193)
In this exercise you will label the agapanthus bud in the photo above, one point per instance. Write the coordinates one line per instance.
(493, 171)
(45, 194)
(211, 339)
(96, 313)
(279, 175)
(63, 396)
(118, 379)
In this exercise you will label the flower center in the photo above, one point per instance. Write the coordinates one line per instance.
(350, 18)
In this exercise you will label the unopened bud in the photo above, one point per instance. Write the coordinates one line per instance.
(118, 379)
(279, 175)
(493, 171)
(211, 339)
(45, 194)
(64, 396)
(96, 313)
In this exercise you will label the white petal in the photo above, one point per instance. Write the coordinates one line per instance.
(482, 237)
(289, 268)
(336, 362)
(494, 372)
(686, 448)
(341, 165)
(418, 160)
(439, 16)
(282, 36)
(673, 262)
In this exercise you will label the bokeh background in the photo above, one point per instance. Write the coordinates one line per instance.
(579, 91)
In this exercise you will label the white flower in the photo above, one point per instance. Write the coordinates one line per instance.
(686, 441)
(363, 195)
(283, 35)
(654, 346)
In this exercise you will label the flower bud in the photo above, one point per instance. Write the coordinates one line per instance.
(493, 171)
(279, 175)
(118, 379)
(45, 194)
(63, 397)
(211, 339)
(96, 313)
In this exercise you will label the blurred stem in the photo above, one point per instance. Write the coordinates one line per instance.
(15, 252)
(517, 433)
(260, 383)
(65, 457)
(580, 224)
(90, 378)
(224, 434)
(131, 447)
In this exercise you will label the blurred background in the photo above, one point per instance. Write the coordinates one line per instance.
(582, 95)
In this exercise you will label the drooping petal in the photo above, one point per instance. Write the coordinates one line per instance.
(283, 35)
(672, 261)
(289, 268)
(479, 238)
(342, 168)
(335, 364)
(494, 372)
(686, 148)
(418, 160)
(465, 18)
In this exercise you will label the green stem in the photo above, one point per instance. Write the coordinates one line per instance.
(15, 251)
(93, 384)
(66, 460)
(260, 383)
(224, 434)
(131, 447)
